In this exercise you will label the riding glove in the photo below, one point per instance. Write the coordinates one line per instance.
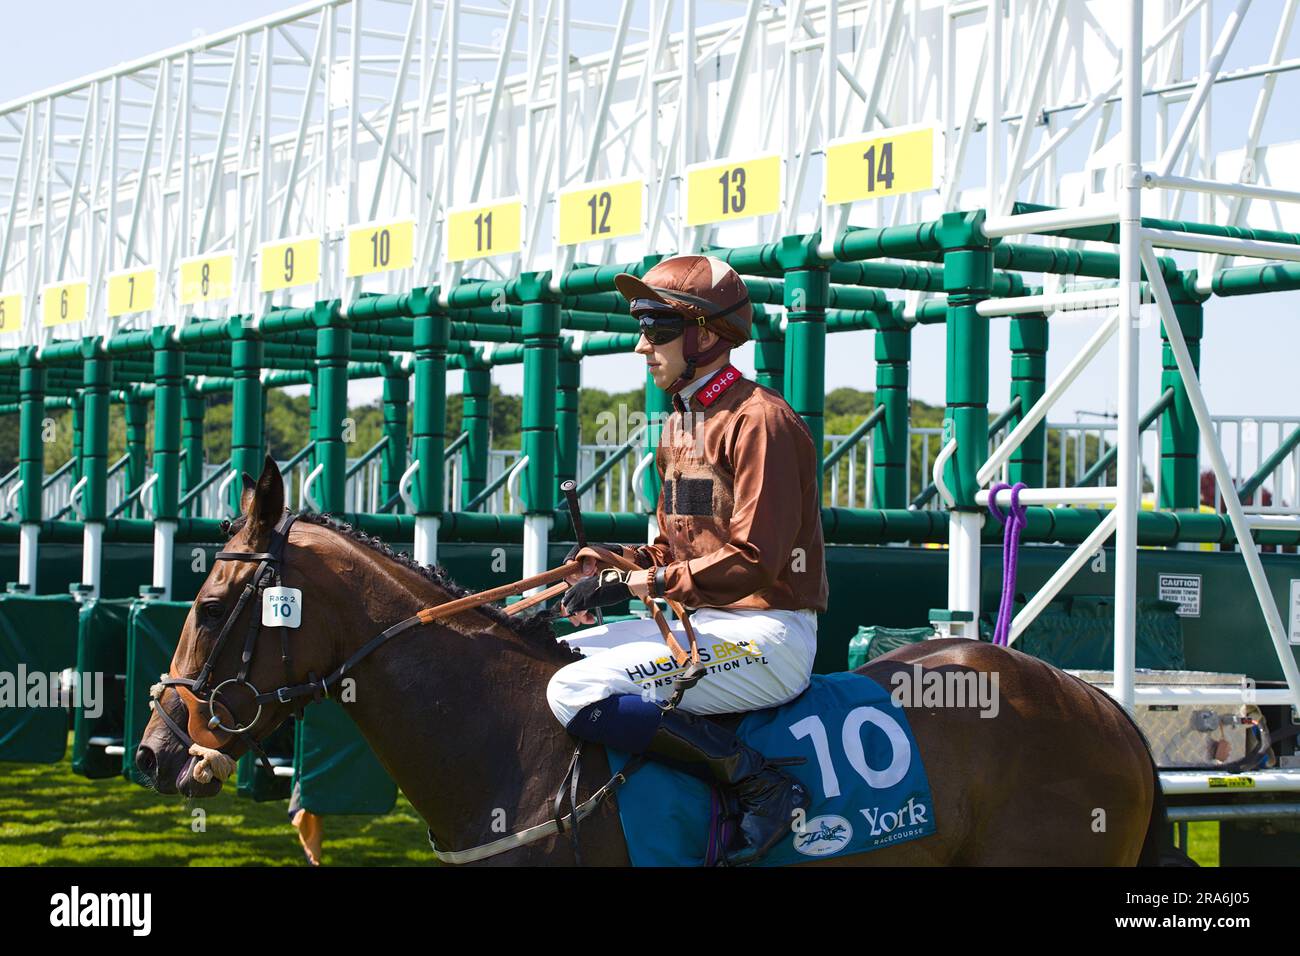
(600, 590)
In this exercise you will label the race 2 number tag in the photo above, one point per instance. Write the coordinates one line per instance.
(282, 607)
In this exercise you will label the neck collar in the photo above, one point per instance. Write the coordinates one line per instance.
(709, 390)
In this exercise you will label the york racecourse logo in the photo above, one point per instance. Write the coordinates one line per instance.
(76, 909)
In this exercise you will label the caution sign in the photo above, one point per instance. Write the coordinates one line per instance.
(1183, 590)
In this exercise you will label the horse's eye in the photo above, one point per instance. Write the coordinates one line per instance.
(212, 611)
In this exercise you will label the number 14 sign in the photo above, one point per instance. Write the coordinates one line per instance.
(889, 162)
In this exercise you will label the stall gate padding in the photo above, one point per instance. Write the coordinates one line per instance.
(101, 664)
(38, 636)
(335, 767)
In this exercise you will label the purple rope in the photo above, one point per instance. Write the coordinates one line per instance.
(1015, 526)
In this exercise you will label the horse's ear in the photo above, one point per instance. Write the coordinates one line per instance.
(263, 500)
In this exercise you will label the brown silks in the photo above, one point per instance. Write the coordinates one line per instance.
(430, 614)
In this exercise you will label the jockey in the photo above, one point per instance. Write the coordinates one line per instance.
(740, 543)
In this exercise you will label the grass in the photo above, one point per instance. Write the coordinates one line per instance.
(50, 816)
(1203, 842)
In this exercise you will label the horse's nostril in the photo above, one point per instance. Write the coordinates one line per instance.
(146, 762)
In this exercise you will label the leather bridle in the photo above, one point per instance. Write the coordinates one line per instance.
(197, 691)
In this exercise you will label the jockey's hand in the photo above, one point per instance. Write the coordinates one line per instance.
(589, 565)
(601, 590)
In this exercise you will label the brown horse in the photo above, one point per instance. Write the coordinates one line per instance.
(457, 714)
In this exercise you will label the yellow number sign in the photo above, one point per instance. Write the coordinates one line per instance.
(286, 263)
(380, 247)
(597, 211)
(62, 303)
(207, 278)
(736, 189)
(887, 163)
(491, 229)
(11, 312)
(132, 291)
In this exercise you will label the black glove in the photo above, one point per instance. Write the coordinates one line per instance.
(573, 552)
(599, 590)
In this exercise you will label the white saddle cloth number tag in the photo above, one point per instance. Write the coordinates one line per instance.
(282, 607)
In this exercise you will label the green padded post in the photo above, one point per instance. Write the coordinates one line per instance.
(333, 348)
(476, 418)
(1029, 337)
(97, 372)
(78, 432)
(193, 412)
(137, 436)
(169, 383)
(247, 407)
(1180, 439)
(31, 450)
(769, 352)
(566, 419)
(806, 294)
(968, 280)
(541, 327)
(397, 392)
(890, 445)
(429, 416)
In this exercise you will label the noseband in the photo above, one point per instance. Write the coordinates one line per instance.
(201, 687)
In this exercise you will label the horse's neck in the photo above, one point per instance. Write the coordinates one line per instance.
(458, 716)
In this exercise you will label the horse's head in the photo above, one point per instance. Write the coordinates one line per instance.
(226, 687)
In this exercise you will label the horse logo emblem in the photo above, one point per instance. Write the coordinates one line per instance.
(824, 835)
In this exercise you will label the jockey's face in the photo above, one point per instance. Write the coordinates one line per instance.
(665, 362)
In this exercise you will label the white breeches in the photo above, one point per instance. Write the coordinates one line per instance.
(755, 658)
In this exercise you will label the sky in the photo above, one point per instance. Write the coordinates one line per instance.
(1251, 347)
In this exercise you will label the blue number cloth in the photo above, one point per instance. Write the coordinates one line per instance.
(863, 770)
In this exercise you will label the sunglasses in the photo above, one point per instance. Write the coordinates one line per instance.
(660, 327)
(659, 324)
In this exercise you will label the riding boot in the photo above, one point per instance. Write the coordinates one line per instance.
(768, 797)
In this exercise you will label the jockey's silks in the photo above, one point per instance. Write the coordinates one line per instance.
(740, 507)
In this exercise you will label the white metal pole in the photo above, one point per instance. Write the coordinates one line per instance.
(993, 129)
(92, 555)
(1240, 524)
(537, 530)
(1128, 491)
(164, 552)
(426, 539)
(28, 549)
(964, 561)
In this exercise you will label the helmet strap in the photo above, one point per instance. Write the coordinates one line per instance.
(694, 357)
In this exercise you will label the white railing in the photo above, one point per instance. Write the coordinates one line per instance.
(1074, 447)
(364, 491)
(1247, 441)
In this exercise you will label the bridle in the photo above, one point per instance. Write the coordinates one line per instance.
(201, 689)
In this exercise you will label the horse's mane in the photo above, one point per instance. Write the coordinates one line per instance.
(534, 628)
